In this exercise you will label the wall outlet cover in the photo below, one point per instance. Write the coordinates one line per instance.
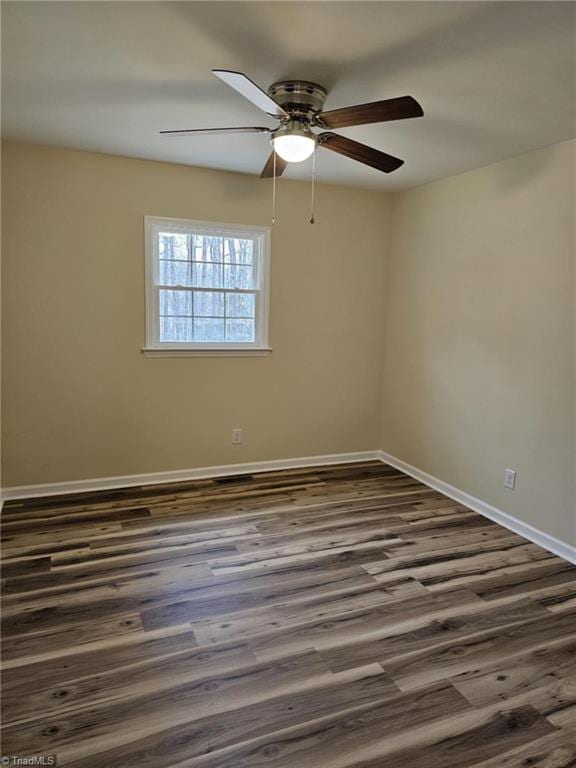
(509, 478)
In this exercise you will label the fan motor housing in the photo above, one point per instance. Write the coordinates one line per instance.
(299, 97)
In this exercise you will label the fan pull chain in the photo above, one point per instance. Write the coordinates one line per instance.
(313, 184)
(274, 191)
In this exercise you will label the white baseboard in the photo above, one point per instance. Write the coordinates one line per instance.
(178, 475)
(535, 535)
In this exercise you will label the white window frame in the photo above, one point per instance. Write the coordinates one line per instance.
(153, 225)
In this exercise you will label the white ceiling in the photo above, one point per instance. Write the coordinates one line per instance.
(495, 79)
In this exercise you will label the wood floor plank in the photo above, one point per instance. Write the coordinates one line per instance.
(496, 733)
(136, 679)
(313, 699)
(231, 593)
(523, 579)
(74, 734)
(448, 660)
(419, 729)
(68, 582)
(358, 532)
(98, 657)
(513, 677)
(557, 750)
(438, 629)
(299, 611)
(66, 639)
(303, 553)
(460, 566)
(354, 626)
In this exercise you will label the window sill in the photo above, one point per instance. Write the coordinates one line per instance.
(208, 352)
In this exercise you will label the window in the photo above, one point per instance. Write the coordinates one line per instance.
(206, 288)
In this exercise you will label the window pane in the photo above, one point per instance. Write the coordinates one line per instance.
(175, 273)
(238, 251)
(210, 249)
(197, 247)
(207, 303)
(207, 275)
(166, 246)
(173, 245)
(236, 276)
(239, 305)
(175, 302)
(208, 329)
(240, 330)
(176, 329)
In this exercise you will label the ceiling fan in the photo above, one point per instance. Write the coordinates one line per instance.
(298, 105)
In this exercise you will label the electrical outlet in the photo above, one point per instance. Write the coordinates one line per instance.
(236, 437)
(509, 478)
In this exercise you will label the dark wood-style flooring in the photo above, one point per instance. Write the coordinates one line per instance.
(336, 617)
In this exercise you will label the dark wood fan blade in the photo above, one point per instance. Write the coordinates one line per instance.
(268, 170)
(250, 91)
(215, 131)
(360, 152)
(401, 108)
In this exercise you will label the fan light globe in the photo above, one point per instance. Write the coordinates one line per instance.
(293, 148)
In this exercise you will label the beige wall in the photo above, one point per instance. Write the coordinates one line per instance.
(480, 344)
(81, 401)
